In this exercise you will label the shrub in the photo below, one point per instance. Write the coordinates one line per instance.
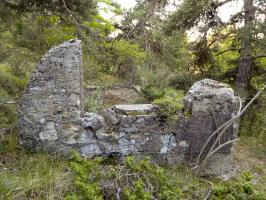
(154, 81)
(151, 92)
(134, 180)
(93, 103)
(239, 189)
(170, 103)
(154, 176)
(86, 178)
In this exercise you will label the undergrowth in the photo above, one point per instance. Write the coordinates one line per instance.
(170, 103)
(25, 175)
(132, 180)
(241, 188)
(33, 176)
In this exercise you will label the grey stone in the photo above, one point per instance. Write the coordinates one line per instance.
(91, 150)
(49, 132)
(169, 142)
(93, 121)
(136, 109)
(53, 98)
(112, 119)
(220, 164)
(208, 105)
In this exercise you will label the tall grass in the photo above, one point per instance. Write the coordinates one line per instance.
(33, 176)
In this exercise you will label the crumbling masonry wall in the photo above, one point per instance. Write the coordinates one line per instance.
(52, 118)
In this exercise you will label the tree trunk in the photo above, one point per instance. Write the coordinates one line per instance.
(245, 61)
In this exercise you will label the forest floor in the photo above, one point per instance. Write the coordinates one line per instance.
(250, 155)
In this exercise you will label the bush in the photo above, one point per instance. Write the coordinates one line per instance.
(134, 180)
(239, 189)
(151, 92)
(170, 103)
(86, 178)
(93, 103)
(154, 81)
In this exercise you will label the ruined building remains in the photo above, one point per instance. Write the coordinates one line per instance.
(52, 118)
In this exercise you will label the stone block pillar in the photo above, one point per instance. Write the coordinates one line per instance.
(208, 105)
(52, 103)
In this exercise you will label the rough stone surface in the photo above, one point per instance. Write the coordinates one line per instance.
(53, 101)
(208, 105)
(139, 130)
(52, 118)
(136, 109)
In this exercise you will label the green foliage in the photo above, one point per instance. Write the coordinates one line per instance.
(168, 187)
(170, 103)
(8, 142)
(86, 178)
(253, 126)
(126, 57)
(126, 49)
(188, 14)
(152, 51)
(11, 87)
(32, 176)
(44, 32)
(138, 193)
(84, 8)
(239, 189)
(10, 82)
(155, 81)
(152, 92)
(96, 179)
(93, 103)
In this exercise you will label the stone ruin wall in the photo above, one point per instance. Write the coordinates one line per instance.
(52, 118)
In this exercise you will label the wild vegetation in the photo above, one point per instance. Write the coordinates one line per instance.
(150, 48)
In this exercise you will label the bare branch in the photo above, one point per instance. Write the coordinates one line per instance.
(230, 49)
(219, 147)
(259, 56)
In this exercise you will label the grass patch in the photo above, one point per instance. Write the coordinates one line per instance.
(26, 175)
(33, 176)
